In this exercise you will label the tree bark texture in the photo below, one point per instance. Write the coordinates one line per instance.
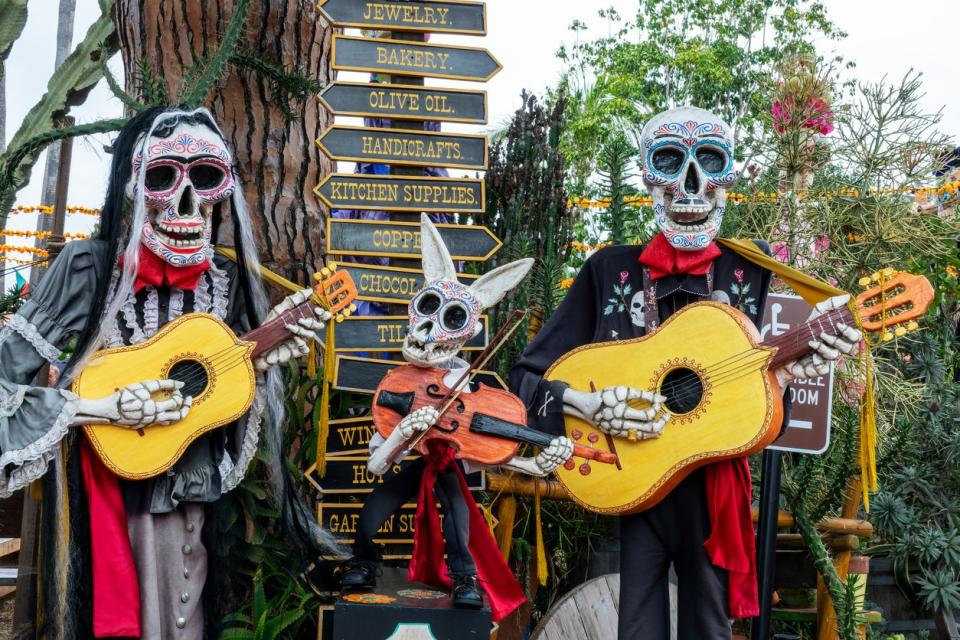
(278, 161)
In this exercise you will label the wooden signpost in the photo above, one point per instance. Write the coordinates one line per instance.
(466, 18)
(401, 193)
(403, 102)
(403, 59)
(406, 58)
(390, 146)
(473, 243)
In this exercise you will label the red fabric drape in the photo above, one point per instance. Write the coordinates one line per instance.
(427, 564)
(116, 590)
(155, 271)
(663, 260)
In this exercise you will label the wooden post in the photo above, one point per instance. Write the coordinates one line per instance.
(826, 614)
(25, 607)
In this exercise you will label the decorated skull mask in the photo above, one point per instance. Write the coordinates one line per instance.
(445, 313)
(688, 166)
(187, 169)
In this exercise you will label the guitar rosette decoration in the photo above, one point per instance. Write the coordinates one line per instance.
(688, 167)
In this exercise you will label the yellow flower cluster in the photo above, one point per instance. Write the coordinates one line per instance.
(949, 188)
(952, 271)
(41, 234)
(583, 246)
(13, 248)
(44, 209)
(566, 283)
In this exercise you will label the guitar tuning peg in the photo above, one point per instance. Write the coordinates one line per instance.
(900, 331)
(318, 277)
(339, 318)
(332, 266)
(912, 325)
(887, 336)
(353, 308)
(325, 272)
(864, 281)
(875, 276)
(887, 273)
(347, 312)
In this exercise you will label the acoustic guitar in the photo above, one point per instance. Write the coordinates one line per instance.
(720, 388)
(215, 366)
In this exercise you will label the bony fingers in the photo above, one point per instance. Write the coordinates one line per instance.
(322, 313)
(850, 333)
(642, 415)
(825, 348)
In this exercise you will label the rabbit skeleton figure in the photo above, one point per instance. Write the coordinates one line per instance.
(444, 315)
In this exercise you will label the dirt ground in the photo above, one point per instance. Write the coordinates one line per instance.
(6, 617)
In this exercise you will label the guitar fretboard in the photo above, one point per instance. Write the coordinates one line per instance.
(795, 342)
(270, 334)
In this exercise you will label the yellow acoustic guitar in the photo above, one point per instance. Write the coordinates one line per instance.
(722, 394)
(215, 366)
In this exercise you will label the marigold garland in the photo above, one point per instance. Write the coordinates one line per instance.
(16, 248)
(42, 234)
(48, 210)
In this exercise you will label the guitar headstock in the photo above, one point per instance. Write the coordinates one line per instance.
(896, 300)
(335, 291)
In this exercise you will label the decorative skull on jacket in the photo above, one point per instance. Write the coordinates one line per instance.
(444, 315)
(688, 166)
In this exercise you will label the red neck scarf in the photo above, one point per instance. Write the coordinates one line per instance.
(427, 564)
(154, 271)
(664, 260)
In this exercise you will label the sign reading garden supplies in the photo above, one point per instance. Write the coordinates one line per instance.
(400, 193)
(402, 239)
(405, 58)
(466, 18)
(403, 102)
(808, 430)
(394, 146)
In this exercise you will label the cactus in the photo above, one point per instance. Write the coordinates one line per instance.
(68, 86)
(13, 17)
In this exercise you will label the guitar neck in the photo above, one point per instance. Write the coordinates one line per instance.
(794, 343)
(270, 334)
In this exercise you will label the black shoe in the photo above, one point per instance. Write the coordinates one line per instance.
(359, 574)
(466, 592)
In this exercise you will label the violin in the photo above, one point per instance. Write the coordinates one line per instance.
(486, 426)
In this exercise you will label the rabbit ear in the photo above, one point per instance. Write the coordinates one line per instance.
(489, 288)
(437, 264)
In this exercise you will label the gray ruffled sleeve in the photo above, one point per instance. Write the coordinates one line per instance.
(34, 419)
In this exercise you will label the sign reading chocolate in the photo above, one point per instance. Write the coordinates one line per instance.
(386, 333)
(389, 284)
(402, 239)
(403, 102)
(404, 58)
(451, 16)
(363, 375)
(396, 146)
(401, 193)
(349, 474)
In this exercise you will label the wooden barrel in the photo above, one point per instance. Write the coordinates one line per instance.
(588, 612)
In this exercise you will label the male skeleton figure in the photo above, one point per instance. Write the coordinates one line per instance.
(703, 526)
(444, 315)
(151, 261)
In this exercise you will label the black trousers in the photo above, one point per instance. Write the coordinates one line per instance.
(671, 532)
(396, 491)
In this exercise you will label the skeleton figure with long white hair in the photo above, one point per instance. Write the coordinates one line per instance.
(128, 558)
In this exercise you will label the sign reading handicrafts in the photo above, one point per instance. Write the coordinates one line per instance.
(394, 146)
(403, 102)
(401, 57)
(400, 193)
(466, 18)
(402, 239)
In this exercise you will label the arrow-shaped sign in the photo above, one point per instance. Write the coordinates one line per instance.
(389, 284)
(468, 18)
(403, 102)
(403, 58)
(396, 146)
(363, 375)
(402, 239)
(400, 193)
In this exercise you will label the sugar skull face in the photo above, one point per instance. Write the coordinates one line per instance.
(186, 173)
(688, 166)
(445, 313)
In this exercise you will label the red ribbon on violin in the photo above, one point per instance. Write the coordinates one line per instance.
(486, 426)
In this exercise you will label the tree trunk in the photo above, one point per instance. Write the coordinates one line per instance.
(49, 184)
(279, 162)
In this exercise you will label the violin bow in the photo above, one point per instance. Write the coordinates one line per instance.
(501, 338)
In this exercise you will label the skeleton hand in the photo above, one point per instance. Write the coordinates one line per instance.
(546, 462)
(418, 421)
(133, 406)
(828, 349)
(609, 410)
(303, 331)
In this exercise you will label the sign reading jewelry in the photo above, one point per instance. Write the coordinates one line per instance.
(467, 18)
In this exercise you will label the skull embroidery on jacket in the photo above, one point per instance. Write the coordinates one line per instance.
(187, 171)
(688, 166)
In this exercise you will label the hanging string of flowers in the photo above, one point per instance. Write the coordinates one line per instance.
(41, 234)
(4, 258)
(13, 248)
(47, 210)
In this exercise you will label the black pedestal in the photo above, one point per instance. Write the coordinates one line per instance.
(398, 610)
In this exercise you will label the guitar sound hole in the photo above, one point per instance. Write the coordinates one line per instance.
(193, 376)
(683, 389)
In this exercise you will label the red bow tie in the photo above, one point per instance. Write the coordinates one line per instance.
(156, 272)
(664, 260)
